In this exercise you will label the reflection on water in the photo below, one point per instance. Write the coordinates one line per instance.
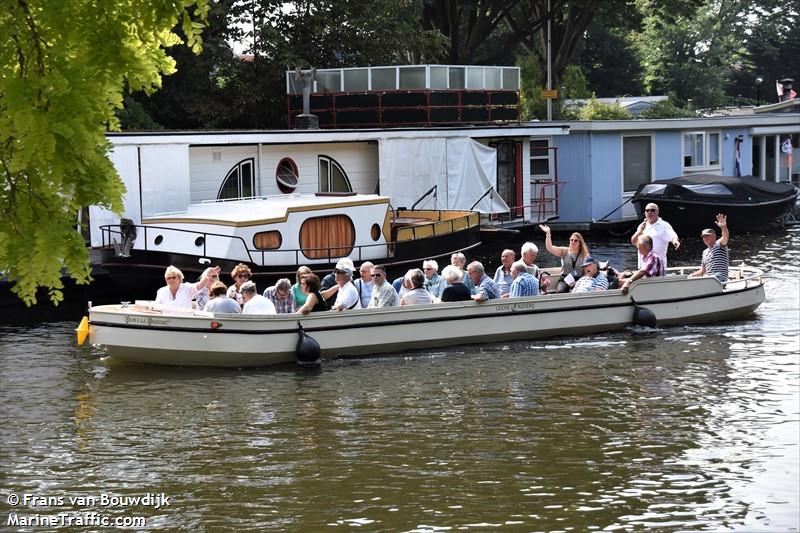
(686, 428)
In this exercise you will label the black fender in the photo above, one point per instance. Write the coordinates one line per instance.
(643, 316)
(307, 351)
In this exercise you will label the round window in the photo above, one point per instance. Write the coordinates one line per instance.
(375, 232)
(286, 176)
(159, 239)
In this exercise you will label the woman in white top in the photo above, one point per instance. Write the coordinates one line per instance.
(180, 294)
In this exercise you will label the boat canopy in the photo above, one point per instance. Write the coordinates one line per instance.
(463, 171)
(744, 188)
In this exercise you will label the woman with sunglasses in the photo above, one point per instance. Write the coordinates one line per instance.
(310, 285)
(572, 257)
(179, 294)
(241, 274)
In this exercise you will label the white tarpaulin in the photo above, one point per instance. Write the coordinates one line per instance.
(461, 168)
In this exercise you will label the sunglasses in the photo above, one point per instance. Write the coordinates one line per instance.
(574, 240)
(171, 277)
(377, 275)
(245, 276)
(651, 210)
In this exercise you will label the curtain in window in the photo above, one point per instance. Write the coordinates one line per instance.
(332, 236)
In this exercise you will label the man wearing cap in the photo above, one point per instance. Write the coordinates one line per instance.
(659, 230)
(652, 263)
(715, 260)
(593, 279)
(347, 295)
(328, 287)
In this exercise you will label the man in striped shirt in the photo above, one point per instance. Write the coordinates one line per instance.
(715, 260)
(651, 263)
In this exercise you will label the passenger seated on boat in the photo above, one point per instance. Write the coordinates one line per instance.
(314, 300)
(281, 297)
(177, 293)
(364, 283)
(572, 257)
(202, 296)
(593, 279)
(460, 260)
(254, 303)
(241, 273)
(297, 291)
(529, 253)
(347, 295)
(219, 301)
(455, 291)
(715, 260)
(502, 276)
(485, 287)
(652, 266)
(383, 294)
(434, 283)
(523, 284)
(405, 283)
(417, 295)
(329, 286)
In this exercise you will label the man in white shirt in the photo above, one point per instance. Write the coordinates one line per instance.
(657, 229)
(347, 297)
(254, 303)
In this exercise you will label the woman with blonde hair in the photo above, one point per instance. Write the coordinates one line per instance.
(241, 274)
(179, 294)
(297, 291)
(572, 257)
(203, 295)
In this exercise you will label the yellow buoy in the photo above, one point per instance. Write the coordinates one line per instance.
(83, 330)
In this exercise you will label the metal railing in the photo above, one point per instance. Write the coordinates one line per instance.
(327, 253)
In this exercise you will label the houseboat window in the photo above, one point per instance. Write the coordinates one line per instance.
(332, 177)
(637, 161)
(356, 80)
(700, 149)
(540, 159)
(384, 78)
(456, 77)
(412, 77)
(327, 237)
(286, 176)
(438, 77)
(329, 82)
(375, 232)
(238, 183)
(267, 240)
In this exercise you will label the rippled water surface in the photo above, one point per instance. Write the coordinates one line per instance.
(685, 429)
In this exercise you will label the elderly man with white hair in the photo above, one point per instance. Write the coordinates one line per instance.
(434, 283)
(365, 284)
(254, 303)
(502, 276)
(529, 254)
(485, 287)
(459, 260)
(524, 284)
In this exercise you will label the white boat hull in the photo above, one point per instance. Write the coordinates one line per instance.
(140, 335)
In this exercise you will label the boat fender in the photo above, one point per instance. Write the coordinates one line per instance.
(643, 316)
(307, 350)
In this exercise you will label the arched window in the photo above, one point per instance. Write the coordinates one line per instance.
(332, 177)
(239, 182)
(286, 176)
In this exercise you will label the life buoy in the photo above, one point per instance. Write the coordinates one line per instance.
(307, 351)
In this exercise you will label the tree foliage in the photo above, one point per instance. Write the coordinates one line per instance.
(596, 110)
(63, 66)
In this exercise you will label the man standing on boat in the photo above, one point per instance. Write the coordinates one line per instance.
(659, 230)
(502, 276)
(715, 257)
(364, 284)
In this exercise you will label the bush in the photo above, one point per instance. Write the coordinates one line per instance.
(595, 110)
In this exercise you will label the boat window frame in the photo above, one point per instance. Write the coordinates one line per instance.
(237, 168)
(706, 139)
(331, 163)
(536, 155)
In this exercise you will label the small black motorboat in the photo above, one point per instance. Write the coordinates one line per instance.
(691, 203)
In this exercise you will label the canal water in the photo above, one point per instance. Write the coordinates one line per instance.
(682, 429)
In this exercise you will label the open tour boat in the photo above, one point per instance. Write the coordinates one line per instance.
(145, 333)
